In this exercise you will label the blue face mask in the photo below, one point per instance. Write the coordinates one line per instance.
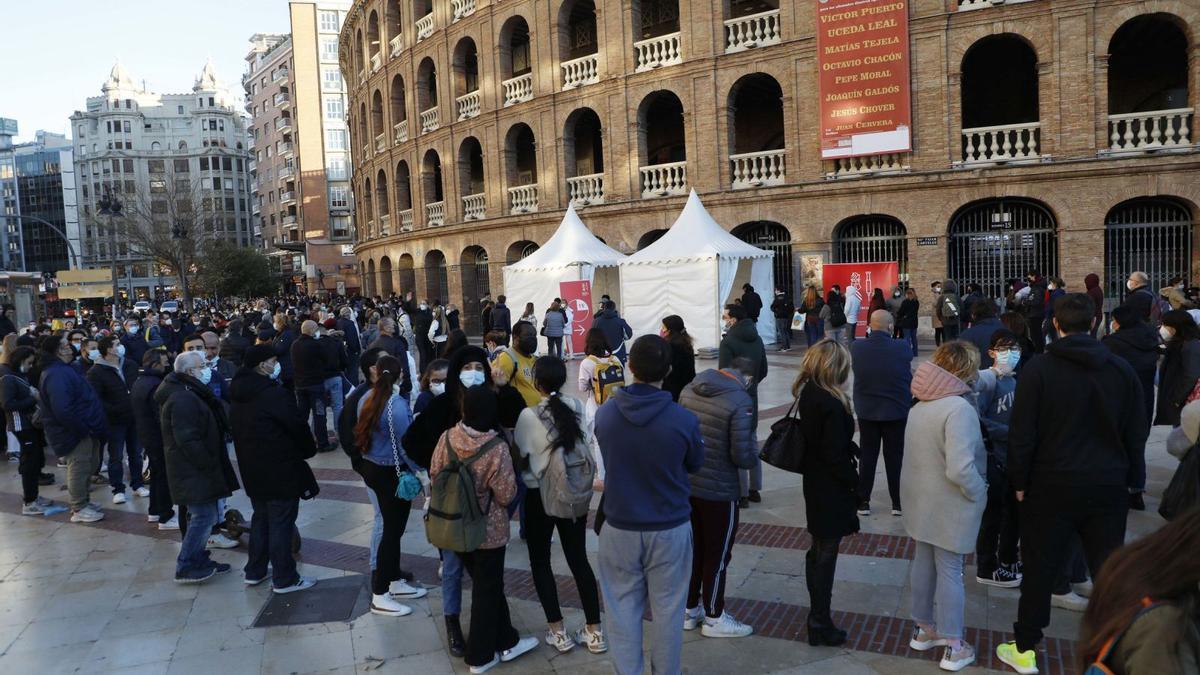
(205, 375)
(275, 373)
(471, 378)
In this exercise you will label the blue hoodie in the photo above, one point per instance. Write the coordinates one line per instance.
(649, 444)
(994, 401)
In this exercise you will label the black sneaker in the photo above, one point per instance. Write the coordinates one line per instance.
(755, 496)
(1003, 577)
(196, 576)
(864, 508)
(1137, 502)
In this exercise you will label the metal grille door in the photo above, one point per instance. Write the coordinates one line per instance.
(1148, 235)
(475, 285)
(437, 283)
(997, 240)
(776, 238)
(872, 239)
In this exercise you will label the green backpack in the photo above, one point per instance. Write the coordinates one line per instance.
(454, 521)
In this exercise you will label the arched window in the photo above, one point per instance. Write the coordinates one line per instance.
(427, 97)
(649, 238)
(872, 238)
(578, 42)
(403, 192)
(408, 275)
(470, 178)
(431, 187)
(661, 146)
(520, 161)
(583, 145)
(756, 136)
(516, 61)
(371, 285)
(466, 78)
(399, 110)
(382, 203)
(373, 41)
(385, 276)
(776, 238)
(1148, 234)
(377, 125)
(437, 284)
(1000, 101)
(519, 251)
(395, 26)
(996, 240)
(476, 284)
(1148, 73)
(369, 208)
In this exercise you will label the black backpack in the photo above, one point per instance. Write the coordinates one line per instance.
(837, 314)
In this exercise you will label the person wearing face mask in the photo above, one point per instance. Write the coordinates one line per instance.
(112, 377)
(742, 341)
(516, 362)
(1138, 343)
(1180, 367)
(683, 356)
(983, 325)
(1055, 289)
(1139, 297)
(212, 347)
(939, 330)
(134, 340)
(433, 384)
(272, 442)
(882, 397)
(155, 365)
(19, 401)
(996, 562)
(87, 355)
(199, 472)
(311, 363)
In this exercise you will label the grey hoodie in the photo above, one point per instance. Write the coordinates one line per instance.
(726, 414)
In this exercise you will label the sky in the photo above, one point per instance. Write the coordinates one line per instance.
(56, 53)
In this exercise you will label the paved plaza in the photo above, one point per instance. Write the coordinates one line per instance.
(100, 598)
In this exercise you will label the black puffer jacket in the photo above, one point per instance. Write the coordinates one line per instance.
(112, 385)
(309, 361)
(743, 341)
(1137, 343)
(193, 426)
(233, 347)
(1177, 377)
(726, 414)
(271, 438)
(145, 409)
(17, 399)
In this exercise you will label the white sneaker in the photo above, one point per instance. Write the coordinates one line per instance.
(692, 618)
(32, 509)
(43, 502)
(1083, 589)
(1069, 601)
(86, 515)
(401, 589)
(219, 540)
(302, 584)
(560, 641)
(119, 498)
(724, 626)
(594, 642)
(955, 660)
(383, 604)
(524, 645)
(254, 582)
(142, 491)
(151, 518)
(172, 524)
(923, 642)
(475, 670)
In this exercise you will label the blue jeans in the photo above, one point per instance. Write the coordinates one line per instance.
(192, 554)
(910, 334)
(814, 331)
(123, 440)
(313, 399)
(452, 573)
(271, 529)
(333, 393)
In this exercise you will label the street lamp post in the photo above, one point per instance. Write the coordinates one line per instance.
(70, 249)
(111, 206)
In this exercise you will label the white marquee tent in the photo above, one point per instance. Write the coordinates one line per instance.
(694, 270)
(573, 253)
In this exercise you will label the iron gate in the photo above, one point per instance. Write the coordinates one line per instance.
(996, 240)
(475, 285)
(408, 276)
(872, 239)
(437, 283)
(776, 238)
(1151, 235)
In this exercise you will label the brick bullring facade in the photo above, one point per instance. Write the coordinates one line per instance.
(1050, 135)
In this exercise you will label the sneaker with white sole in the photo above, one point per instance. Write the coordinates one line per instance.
(724, 626)
(864, 509)
(594, 641)
(32, 509)
(1002, 577)
(383, 604)
(1024, 662)
(254, 582)
(172, 524)
(560, 641)
(302, 584)
(523, 646)
(955, 660)
(475, 670)
(151, 518)
(43, 502)
(1083, 589)
(86, 515)
(119, 498)
(692, 618)
(1069, 601)
(219, 540)
(142, 492)
(403, 590)
(923, 642)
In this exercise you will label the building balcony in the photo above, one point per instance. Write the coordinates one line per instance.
(286, 149)
(518, 89)
(385, 224)
(380, 142)
(474, 207)
(586, 190)
(251, 165)
(1150, 131)
(664, 180)
(366, 151)
(282, 100)
(663, 50)
(435, 214)
(288, 196)
(400, 131)
(288, 220)
(376, 62)
(424, 27)
(968, 5)
(362, 76)
(754, 30)
(523, 199)
(395, 45)
(430, 120)
(286, 172)
(869, 165)
(468, 105)
(581, 71)
(1001, 144)
(462, 8)
(280, 74)
(406, 220)
(283, 124)
(757, 169)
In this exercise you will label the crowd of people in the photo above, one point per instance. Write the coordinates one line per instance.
(1029, 463)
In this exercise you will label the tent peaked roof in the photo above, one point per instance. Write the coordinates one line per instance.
(571, 244)
(695, 236)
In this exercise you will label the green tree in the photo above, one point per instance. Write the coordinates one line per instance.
(224, 269)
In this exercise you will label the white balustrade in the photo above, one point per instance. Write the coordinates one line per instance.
(1152, 130)
(756, 169)
(395, 45)
(406, 220)
(754, 30)
(468, 105)
(656, 52)
(851, 167)
(385, 224)
(424, 27)
(523, 199)
(362, 77)
(462, 8)
(435, 214)
(581, 71)
(380, 143)
(967, 5)
(587, 189)
(474, 207)
(376, 62)
(518, 89)
(661, 180)
(1003, 143)
(401, 131)
(430, 120)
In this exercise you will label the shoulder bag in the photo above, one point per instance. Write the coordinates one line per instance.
(784, 448)
(408, 486)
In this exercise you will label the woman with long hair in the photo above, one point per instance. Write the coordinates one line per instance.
(383, 417)
(596, 357)
(554, 428)
(454, 341)
(438, 332)
(1180, 367)
(944, 494)
(830, 476)
(554, 327)
(814, 326)
(1144, 614)
(432, 385)
(529, 316)
(877, 301)
(683, 356)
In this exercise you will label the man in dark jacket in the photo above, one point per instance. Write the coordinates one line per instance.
(1137, 342)
(73, 421)
(1140, 298)
(501, 317)
(145, 416)
(134, 339)
(882, 396)
(354, 345)
(752, 301)
(337, 361)
(616, 330)
(948, 310)
(1077, 438)
(719, 400)
(983, 324)
(973, 297)
(234, 344)
(7, 326)
(782, 308)
(396, 346)
(1092, 285)
(1034, 309)
(194, 426)
(310, 364)
(742, 341)
(112, 377)
(271, 440)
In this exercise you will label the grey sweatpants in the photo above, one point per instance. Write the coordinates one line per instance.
(80, 465)
(640, 568)
(938, 597)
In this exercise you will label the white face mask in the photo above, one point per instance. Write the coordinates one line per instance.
(424, 306)
(471, 378)
(1129, 285)
(438, 388)
(1166, 333)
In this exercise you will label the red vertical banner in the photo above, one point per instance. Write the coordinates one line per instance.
(866, 277)
(578, 296)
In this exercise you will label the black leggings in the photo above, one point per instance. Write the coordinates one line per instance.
(539, 528)
(820, 565)
(33, 460)
(382, 480)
